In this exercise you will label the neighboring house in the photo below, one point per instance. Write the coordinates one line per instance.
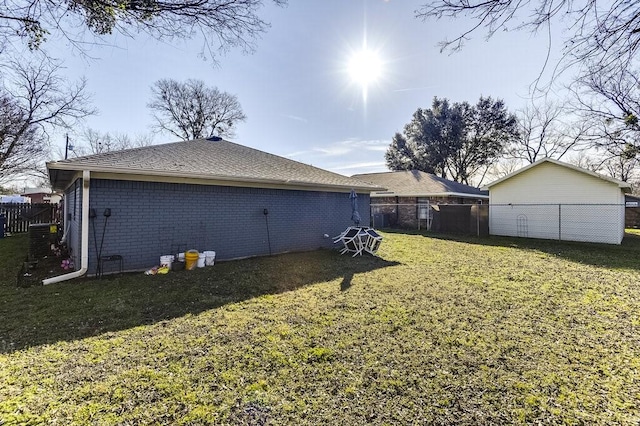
(41, 196)
(408, 193)
(632, 211)
(553, 200)
(203, 195)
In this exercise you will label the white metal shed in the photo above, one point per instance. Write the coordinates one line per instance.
(550, 199)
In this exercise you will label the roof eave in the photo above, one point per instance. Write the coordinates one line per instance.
(622, 185)
(430, 194)
(208, 177)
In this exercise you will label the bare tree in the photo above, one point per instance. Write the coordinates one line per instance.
(90, 141)
(499, 169)
(586, 160)
(96, 142)
(191, 110)
(223, 24)
(34, 100)
(611, 102)
(622, 166)
(544, 131)
(609, 35)
(19, 146)
(618, 163)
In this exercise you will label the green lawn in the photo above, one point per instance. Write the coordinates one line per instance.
(435, 331)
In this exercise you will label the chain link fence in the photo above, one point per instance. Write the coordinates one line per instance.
(468, 219)
(572, 222)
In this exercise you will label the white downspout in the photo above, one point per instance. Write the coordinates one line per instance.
(65, 222)
(84, 257)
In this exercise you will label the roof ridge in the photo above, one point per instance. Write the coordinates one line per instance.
(283, 158)
(210, 160)
(431, 175)
(117, 151)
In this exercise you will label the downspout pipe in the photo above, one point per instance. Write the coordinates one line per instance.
(65, 222)
(84, 257)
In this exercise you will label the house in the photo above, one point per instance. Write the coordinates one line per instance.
(207, 194)
(408, 193)
(550, 199)
(41, 196)
(632, 211)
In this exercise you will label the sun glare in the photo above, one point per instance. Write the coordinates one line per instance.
(365, 67)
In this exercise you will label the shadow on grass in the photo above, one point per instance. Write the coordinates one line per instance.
(87, 307)
(623, 256)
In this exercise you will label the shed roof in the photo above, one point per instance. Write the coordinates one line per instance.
(204, 161)
(626, 187)
(415, 183)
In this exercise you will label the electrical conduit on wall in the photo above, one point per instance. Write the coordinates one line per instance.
(84, 259)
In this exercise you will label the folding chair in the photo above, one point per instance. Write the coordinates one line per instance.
(339, 237)
(373, 241)
(351, 242)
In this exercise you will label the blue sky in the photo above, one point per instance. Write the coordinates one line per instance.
(299, 99)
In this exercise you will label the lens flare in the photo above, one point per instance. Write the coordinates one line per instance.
(365, 67)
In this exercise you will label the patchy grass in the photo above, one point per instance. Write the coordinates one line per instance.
(13, 251)
(436, 331)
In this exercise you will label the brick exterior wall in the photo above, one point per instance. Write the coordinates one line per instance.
(150, 219)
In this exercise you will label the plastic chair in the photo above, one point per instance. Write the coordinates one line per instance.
(340, 236)
(373, 242)
(351, 241)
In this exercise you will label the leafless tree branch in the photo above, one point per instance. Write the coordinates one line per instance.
(608, 35)
(224, 24)
(191, 110)
(33, 101)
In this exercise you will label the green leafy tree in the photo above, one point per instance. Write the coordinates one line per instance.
(428, 140)
(453, 140)
(400, 156)
(488, 128)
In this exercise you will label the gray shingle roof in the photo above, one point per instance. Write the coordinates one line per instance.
(415, 183)
(206, 159)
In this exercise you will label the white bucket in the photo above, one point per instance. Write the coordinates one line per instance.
(181, 257)
(210, 257)
(201, 260)
(167, 260)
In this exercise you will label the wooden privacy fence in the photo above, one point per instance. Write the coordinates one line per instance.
(18, 217)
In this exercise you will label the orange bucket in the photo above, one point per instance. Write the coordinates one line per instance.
(191, 260)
